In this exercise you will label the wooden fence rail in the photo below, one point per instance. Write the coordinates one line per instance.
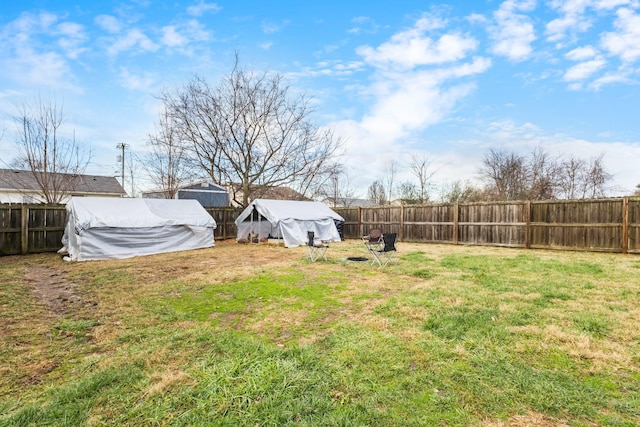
(605, 225)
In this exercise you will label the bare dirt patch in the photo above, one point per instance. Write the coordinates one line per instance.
(52, 288)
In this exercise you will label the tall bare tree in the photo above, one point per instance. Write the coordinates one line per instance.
(572, 178)
(544, 175)
(505, 174)
(390, 172)
(250, 131)
(597, 177)
(421, 166)
(53, 159)
(168, 162)
(580, 178)
(377, 193)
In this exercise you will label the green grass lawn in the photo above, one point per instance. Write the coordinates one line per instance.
(256, 335)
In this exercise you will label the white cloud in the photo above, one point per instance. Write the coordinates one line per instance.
(195, 31)
(132, 39)
(329, 68)
(581, 53)
(46, 69)
(33, 49)
(584, 70)
(108, 23)
(413, 47)
(574, 19)
(203, 7)
(171, 37)
(625, 42)
(72, 39)
(363, 25)
(419, 81)
(272, 27)
(610, 78)
(513, 33)
(144, 81)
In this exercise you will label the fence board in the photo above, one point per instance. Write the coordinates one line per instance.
(592, 225)
(633, 226)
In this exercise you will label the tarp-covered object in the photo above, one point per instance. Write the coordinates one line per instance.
(104, 228)
(288, 220)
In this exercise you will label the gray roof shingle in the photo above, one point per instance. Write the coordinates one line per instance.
(21, 180)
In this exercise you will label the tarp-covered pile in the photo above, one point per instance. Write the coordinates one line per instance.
(104, 227)
(288, 220)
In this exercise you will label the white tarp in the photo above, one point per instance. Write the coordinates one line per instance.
(106, 227)
(288, 220)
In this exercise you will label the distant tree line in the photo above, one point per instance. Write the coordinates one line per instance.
(506, 175)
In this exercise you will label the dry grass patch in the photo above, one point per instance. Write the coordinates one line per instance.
(258, 335)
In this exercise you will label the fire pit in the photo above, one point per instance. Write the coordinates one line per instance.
(357, 259)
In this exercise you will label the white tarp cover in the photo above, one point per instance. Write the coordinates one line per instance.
(288, 220)
(106, 227)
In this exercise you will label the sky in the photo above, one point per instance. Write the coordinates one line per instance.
(396, 80)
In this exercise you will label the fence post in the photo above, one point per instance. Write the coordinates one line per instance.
(401, 231)
(456, 213)
(625, 225)
(527, 225)
(24, 222)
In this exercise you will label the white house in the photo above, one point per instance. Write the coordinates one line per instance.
(20, 186)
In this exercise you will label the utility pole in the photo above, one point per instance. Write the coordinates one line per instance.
(121, 159)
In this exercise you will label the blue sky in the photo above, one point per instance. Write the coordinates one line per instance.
(395, 79)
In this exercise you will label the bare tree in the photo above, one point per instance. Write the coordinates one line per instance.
(408, 193)
(249, 131)
(544, 176)
(505, 174)
(53, 160)
(582, 179)
(597, 177)
(168, 163)
(572, 178)
(461, 192)
(377, 193)
(390, 172)
(421, 167)
(337, 188)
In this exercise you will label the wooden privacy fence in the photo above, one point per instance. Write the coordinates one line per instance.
(31, 228)
(605, 225)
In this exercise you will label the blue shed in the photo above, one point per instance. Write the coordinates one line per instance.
(207, 193)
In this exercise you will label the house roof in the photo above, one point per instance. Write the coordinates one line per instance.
(271, 192)
(21, 180)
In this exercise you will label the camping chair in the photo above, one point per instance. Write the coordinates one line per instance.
(315, 248)
(385, 254)
(373, 242)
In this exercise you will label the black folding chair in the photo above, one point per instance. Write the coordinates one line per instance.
(315, 248)
(384, 255)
